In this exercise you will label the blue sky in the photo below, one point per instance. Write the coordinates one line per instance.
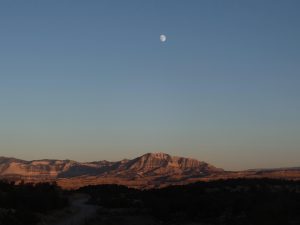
(90, 80)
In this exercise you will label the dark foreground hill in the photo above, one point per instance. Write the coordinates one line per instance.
(222, 202)
(24, 203)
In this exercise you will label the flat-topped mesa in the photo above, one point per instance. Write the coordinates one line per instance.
(149, 161)
(162, 163)
(36, 168)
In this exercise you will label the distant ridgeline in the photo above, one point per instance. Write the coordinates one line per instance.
(152, 170)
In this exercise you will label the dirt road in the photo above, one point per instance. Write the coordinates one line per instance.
(77, 214)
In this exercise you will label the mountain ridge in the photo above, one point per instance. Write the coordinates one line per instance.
(150, 170)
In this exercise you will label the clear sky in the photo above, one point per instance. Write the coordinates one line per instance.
(90, 80)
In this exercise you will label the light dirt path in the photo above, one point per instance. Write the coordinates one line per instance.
(78, 212)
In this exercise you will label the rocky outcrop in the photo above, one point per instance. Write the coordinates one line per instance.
(163, 164)
(37, 168)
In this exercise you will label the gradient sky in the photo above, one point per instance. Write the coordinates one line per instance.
(90, 80)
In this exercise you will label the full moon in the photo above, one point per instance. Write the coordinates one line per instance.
(163, 38)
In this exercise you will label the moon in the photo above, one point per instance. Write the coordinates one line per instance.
(163, 38)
